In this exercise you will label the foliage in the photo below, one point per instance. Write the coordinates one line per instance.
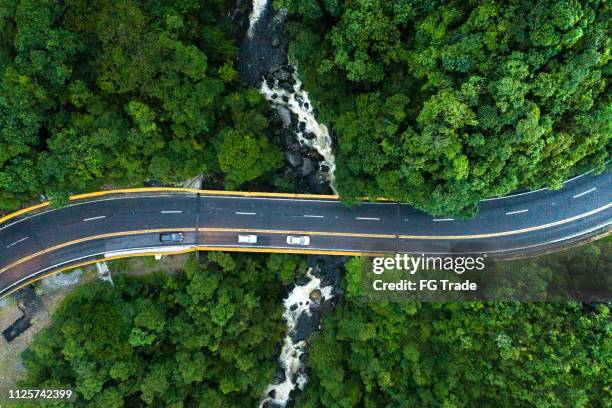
(205, 338)
(443, 103)
(409, 354)
(120, 92)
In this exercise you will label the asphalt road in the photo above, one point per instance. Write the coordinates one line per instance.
(34, 245)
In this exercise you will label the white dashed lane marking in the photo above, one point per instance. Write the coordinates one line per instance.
(94, 218)
(585, 192)
(17, 242)
(517, 212)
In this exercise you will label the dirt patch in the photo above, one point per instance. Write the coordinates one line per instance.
(11, 366)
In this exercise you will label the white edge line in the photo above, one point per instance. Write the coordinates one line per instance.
(367, 218)
(313, 216)
(245, 213)
(172, 212)
(193, 246)
(443, 219)
(84, 257)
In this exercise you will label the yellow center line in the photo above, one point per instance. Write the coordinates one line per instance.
(317, 233)
(92, 238)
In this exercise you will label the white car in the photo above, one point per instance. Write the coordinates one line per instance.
(247, 239)
(298, 240)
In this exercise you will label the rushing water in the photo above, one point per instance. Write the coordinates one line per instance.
(310, 133)
(298, 303)
(262, 51)
(262, 55)
(258, 8)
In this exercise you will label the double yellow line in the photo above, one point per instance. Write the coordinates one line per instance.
(316, 233)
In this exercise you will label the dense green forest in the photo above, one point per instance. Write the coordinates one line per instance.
(442, 103)
(468, 354)
(208, 337)
(117, 92)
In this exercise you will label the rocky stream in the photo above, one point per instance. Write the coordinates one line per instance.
(263, 63)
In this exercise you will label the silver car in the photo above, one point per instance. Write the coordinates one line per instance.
(171, 237)
(302, 240)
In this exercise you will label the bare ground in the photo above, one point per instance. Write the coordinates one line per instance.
(11, 367)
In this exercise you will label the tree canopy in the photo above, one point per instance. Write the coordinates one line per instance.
(443, 103)
(207, 337)
(120, 92)
(492, 354)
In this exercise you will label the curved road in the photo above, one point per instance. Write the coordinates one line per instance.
(111, 225)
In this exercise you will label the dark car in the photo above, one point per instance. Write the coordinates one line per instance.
(171, 237)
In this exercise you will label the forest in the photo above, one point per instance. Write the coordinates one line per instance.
(118, 93)
(436, 103)
(443, 103)
(206, 338)
(209, 337)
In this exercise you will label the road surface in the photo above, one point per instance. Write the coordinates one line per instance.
(38, 243)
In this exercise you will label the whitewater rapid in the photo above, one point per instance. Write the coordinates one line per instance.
(297, 303)
(309, 132)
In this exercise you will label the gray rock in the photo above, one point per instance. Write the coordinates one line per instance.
(315, 296)
(302, 126)
(287, 86)
(309, 135)
(289, 138)
(282, 75)
(275, 43)
(314, 155)
(294, 159)
(279, 376)
(317, 186)
(307, 167)
(285, 115)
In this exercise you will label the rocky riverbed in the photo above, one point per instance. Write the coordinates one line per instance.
(263, 63)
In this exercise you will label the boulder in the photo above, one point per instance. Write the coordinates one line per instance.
(289, 139)
(315, 295)
(286, 85)
(279, 376)
(307, 167)
(315, 155)
(317, 186)
(309, 135)
(294, 159)
(302, 126)
(282, 75)
(284, 115)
